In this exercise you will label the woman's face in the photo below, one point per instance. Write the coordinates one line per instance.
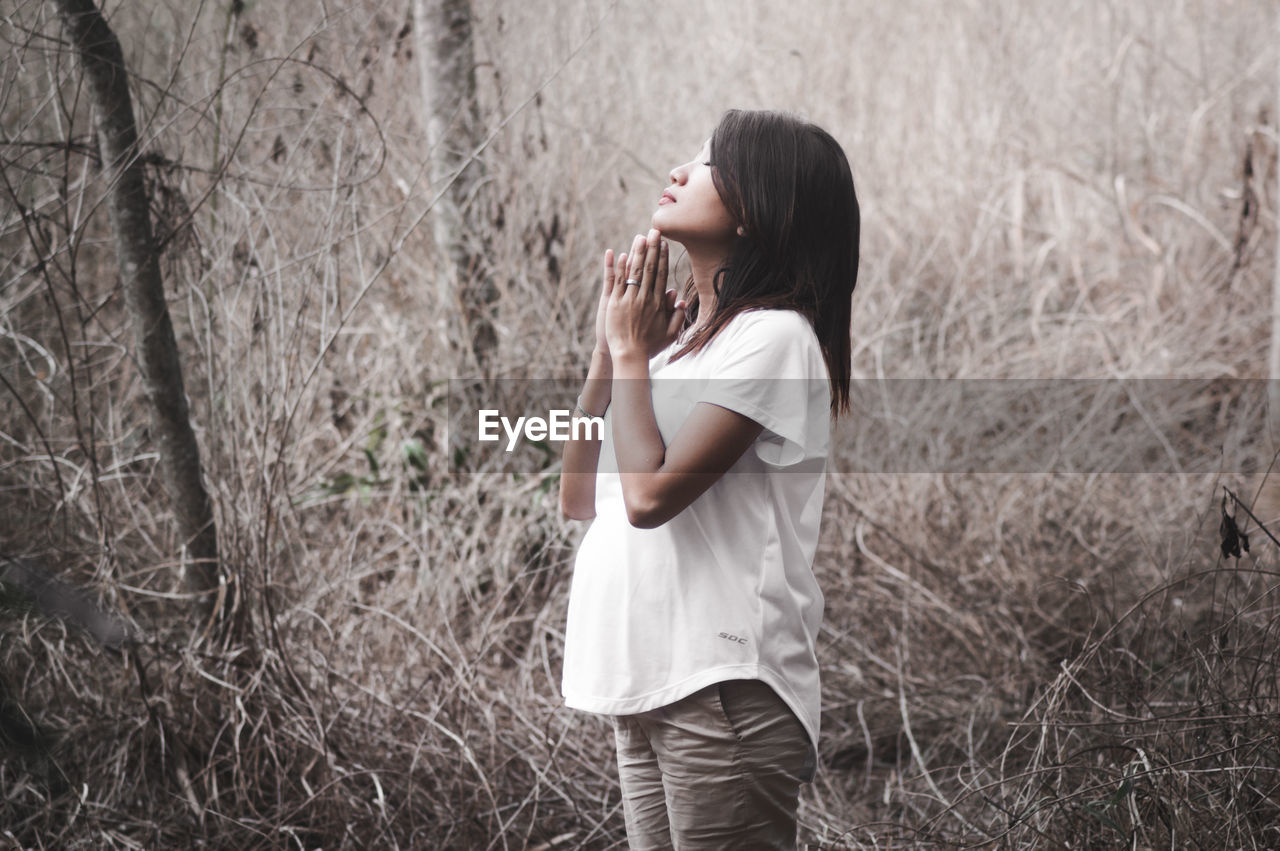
(690, 210)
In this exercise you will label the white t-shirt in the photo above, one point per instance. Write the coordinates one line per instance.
(725, 589)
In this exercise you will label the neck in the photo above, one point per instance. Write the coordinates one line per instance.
(706, 262)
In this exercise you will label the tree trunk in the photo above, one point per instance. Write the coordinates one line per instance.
(1273, 356)
(157, 351)
(460, 221)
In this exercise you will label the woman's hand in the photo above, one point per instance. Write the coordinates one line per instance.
(641, 319)
(606, 290)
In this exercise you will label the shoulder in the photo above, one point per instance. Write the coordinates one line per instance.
(785, 324)
(769, 329)
(767, 344)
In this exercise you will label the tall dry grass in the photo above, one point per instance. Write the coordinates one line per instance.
(1010, 660)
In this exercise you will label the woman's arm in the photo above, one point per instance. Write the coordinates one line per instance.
(658, 482)
(581, 456)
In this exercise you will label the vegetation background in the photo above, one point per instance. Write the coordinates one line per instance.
(1049, 189)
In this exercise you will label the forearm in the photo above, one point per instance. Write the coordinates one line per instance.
(582, 455)
(660, 479)
(636, 439)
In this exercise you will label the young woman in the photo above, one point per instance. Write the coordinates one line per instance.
(694, 613)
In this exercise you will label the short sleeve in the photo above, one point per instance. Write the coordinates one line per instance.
(767, 365)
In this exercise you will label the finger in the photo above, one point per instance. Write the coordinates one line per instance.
(609, 275)
(676, 323)
(663, 258)
(620, 270)
(670, 299)
(635, 269)
(649, 288)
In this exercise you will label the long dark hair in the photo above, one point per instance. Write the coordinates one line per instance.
(788, 185)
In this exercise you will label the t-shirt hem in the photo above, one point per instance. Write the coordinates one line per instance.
(670, 694)
(666, 695)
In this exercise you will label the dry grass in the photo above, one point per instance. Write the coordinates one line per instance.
(1010, 660)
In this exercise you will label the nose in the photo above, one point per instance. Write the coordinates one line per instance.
(678, 174)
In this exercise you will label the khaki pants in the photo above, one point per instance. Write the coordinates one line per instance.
(720, 768)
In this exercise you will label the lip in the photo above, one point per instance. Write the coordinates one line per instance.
(667, 198)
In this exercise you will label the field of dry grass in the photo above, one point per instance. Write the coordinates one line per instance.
(1083, 189)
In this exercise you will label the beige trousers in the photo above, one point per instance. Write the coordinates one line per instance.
(720, 769)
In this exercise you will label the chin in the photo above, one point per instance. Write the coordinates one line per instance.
(659, 220)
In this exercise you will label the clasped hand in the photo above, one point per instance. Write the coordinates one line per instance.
(639, 319)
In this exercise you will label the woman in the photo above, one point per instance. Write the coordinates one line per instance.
(694, 614)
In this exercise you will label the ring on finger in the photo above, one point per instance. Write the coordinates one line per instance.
(631, 282)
